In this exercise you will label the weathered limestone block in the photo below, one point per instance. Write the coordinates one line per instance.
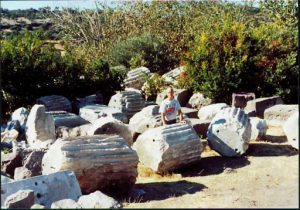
(291, 129)
(198, 100)
(47, 189)
(34, 162)
(109, 125)
(258, 128)
(210, 111)
(55, 103)
(182, 95)
(5, 179)
(133, 89)
(40, 125)
(70, 120)
(257, 106)
(21, 115)
(65, 132)
(97, 200)
(65, 204)
(13, 132)
(200, 126)
(22, 199)
(145, 124)
(90, 100)
(10, 161)
(135, 77)
(277, 115)
(22, 173)
(9, 135)
(93, 112)
(239, 100)
(146, 112)
(191, 113)
(129, 102)
(168, 147)
(229, 132)
(172, 76)
(100, 162)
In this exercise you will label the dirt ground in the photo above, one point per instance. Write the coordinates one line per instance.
(267, 176)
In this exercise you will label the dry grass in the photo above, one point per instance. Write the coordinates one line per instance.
(144, 171)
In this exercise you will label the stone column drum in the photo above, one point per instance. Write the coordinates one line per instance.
(229, 132)
(100, 162)
(168, 147)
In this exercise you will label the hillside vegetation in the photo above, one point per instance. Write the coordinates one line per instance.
(224, 47)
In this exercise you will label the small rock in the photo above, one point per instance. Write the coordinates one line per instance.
(22, 173)
(22, 199)
(65, 204)
(98, 200)
(37, 206)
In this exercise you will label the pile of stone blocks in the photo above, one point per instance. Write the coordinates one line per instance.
(256, 107)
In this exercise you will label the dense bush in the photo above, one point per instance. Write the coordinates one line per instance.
(154, 85)
(232, 57)
(225, 47)
(31, 69)
(145, 50)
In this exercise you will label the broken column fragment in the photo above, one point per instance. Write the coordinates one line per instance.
(129, 102)
(93, 112)
(229, 132)
(100, 162)
(136, 77)
(291, 130)
(55, 103)
(257, 106)
(40, 125)
(47, 189)
(168, 147)
(109, 125)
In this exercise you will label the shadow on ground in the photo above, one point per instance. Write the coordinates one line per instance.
(267, 149)
(213, 165)
(164, 190)
(274, 139)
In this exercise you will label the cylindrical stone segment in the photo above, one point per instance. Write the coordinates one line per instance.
(229, 132)
(100, 162)
(168, 147)
(55, 103)
(129, 102)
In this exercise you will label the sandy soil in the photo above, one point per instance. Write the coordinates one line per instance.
(267, 176)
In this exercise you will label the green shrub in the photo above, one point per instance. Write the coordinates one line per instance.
(145, 50)
(235, 58)
(216, 62)
(154, 84)
(31, 69)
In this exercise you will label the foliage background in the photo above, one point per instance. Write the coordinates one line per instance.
(224, 47)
